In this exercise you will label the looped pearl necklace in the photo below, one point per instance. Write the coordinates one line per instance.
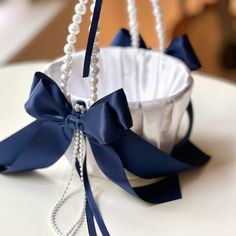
(79, 147)
(78, 154)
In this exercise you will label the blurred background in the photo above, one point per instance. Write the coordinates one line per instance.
(37, 29)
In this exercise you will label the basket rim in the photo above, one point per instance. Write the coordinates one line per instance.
(164, 100)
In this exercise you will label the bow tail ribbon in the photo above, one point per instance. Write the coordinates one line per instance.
(38, 145)
(142, 159)
(145, 161)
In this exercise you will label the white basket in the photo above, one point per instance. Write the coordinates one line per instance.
(157, 86)
(158, 89)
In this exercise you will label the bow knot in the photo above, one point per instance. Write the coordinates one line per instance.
(73, 121)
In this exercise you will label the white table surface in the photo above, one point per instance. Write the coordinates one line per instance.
(208, 207)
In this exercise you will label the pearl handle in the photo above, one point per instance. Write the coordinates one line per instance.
(133, 23)
(74, 29)
(79, 143)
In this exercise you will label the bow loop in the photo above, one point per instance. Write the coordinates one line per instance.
(46, 100)
(104, 124)
(119, 107)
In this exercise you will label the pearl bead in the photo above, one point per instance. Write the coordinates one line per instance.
(63, 85)
(80, 8)
(158, 28)
(68, 49)
(64, 78)
(63, 90)
(77, 18)
(71, 39)
(156, 11)
(67, 59)
(74, 28)
(67, 94)
(94, 59)
(77, 107)
(93, 81)
(132, 23)
(94, 70)
(65, 68)
(96, 50)
(131, 8)
(93, 89)
(94, 97)
(92, 7)
(89, 103)
(75, 151)
(96, 41)
(82, 109)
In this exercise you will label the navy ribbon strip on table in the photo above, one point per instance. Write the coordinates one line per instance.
(113, 144)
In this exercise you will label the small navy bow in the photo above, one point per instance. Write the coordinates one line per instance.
(180, 48)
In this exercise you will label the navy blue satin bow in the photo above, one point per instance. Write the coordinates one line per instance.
(56, 121)
(114, 145)
(180, 48)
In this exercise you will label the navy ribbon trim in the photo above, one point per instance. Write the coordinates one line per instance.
(91, 38)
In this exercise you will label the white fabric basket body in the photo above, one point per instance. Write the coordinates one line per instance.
(157, 86)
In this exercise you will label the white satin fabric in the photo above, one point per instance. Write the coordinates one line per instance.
(157, 86)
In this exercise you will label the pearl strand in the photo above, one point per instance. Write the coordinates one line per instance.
(133, 23)
(94, 70)
(78, 153)
(78, 150)
(74, 29)
(159, 23)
